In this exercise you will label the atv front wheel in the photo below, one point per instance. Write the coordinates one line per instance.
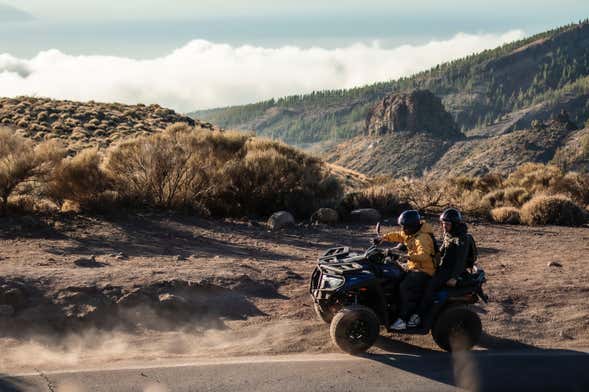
(456, 329)
(325, 315)
(354, 329)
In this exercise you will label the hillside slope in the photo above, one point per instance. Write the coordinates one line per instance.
(478, 91)
(85, 124)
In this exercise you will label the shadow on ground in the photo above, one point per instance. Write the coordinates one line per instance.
(505, 365)
(11, 384)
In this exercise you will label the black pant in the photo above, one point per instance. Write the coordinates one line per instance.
(410, 290)
(437, 282)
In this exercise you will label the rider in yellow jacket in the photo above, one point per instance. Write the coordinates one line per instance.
(420, 247)
(417, 235)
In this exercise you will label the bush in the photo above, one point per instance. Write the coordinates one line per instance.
(383, 198)
(575, 185)
(219, 173)
(81, 180)
(535, 177)
(273, 176)
(424, 194)
(508, 215)
(508, 197)
(552, 210)
(21, 162)
(161, 170)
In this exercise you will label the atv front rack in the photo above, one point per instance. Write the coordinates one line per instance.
(335, 253)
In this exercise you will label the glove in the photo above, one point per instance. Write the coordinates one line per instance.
(376, 241)
(403, 259)
(451, 282)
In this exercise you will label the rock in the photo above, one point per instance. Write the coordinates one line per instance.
(89, 262)
(6, 311)
(15, 297)
(280, 219)
(181, 258)
(555, 264)
(365, 215)
(121, 256)
(565, 335)
(173, 303)
(417, 112)
(134, 298)
(327, 216)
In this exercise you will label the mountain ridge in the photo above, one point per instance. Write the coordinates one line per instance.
(477, 90)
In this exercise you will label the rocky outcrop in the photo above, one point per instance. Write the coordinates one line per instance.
(417, 112)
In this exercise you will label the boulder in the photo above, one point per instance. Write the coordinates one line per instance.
(280, 219)
(327, 216)
(365, 215)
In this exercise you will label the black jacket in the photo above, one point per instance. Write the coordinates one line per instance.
(454, 252)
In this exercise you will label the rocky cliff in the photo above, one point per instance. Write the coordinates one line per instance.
(419, 111)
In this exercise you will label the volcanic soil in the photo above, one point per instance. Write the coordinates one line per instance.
(156, 285)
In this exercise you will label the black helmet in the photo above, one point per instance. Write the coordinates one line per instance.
(409, 218)
(451, 215)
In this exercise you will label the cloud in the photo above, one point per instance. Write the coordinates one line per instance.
(12, 14)
(203, 74)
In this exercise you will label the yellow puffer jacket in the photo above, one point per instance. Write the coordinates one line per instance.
(420, 248)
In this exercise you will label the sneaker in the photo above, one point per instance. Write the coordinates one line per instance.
(399, 325)
(414, 321)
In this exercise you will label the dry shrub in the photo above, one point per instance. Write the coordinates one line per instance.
(383, 197)
(272, 176)
(508, 197)
(552, 210)
(69, 206)
(424, 194)
(575, 185)
(221, 173)
(508, 215)
(21, 162)
(549, 179)
(535, 177)
(81, 180)
(483, 184)
(160, 170)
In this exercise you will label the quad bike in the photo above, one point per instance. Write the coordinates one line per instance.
(358, 292)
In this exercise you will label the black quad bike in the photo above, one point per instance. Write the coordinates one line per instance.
(357, 293)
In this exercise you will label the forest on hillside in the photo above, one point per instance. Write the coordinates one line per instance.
(478, 90)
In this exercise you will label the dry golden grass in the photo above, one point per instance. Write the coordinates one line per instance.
(552, 210)
(508, 215)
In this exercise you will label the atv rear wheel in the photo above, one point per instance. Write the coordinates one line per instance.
(354, 329)
(457, 328)
(325, 315)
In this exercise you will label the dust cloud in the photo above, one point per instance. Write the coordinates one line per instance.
(94, 348)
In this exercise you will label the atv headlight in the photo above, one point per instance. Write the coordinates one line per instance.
(332, 282)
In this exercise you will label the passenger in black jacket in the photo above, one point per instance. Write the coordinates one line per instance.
(454, 252)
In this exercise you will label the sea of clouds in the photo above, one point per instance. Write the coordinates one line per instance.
(204, 74)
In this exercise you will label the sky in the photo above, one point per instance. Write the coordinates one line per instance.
(195, 54)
